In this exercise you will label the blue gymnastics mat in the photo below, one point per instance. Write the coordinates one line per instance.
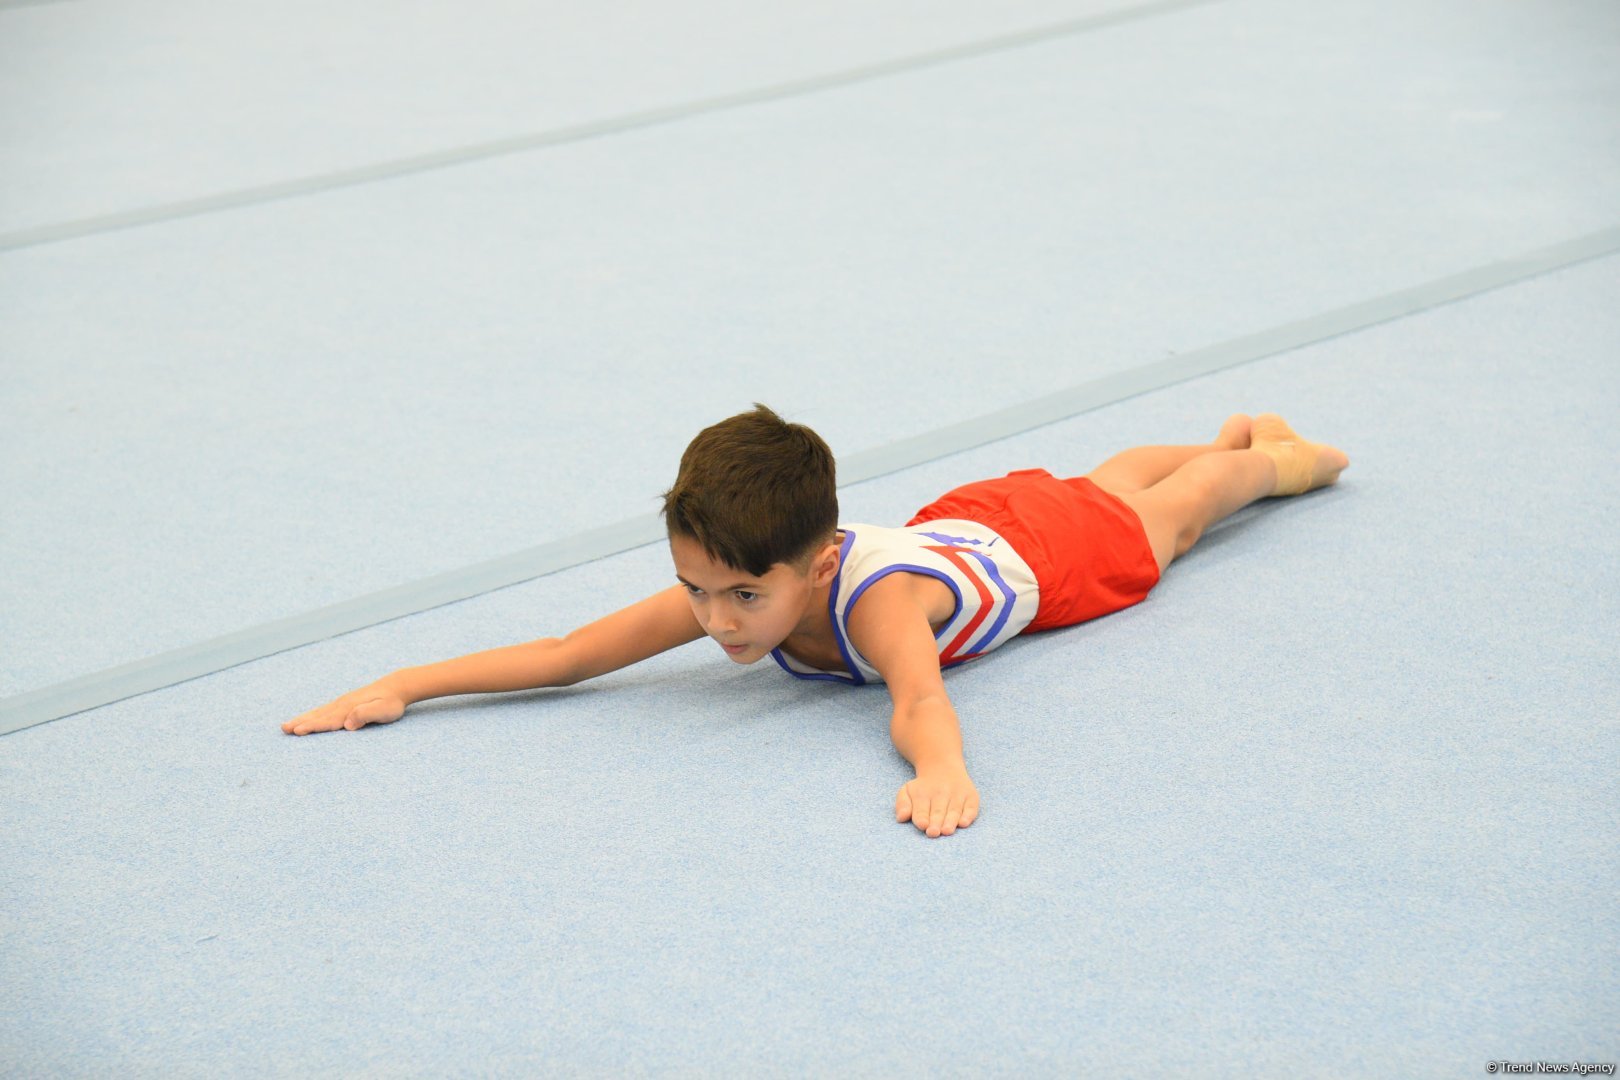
(382, 295)
(1334, 798)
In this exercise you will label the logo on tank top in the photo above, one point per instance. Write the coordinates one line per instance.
(957, 541)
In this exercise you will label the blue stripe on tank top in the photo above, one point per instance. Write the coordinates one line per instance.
(1006, 591)
(968, 546)
(832, 609)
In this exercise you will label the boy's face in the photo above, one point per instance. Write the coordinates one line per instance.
(750, 615)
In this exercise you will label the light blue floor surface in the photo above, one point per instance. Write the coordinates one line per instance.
(1337, 800)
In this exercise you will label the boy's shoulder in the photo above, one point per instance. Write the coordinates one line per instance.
(912, 561)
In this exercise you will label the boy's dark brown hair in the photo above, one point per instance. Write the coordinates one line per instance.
(755, 490)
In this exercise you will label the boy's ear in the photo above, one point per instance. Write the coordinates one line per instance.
(824, 566)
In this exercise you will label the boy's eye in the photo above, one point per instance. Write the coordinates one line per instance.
(692, 590)
(745, 596)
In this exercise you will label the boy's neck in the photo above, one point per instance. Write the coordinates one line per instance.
(815, 629)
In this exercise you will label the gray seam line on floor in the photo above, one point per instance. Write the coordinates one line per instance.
(194, 661)
(310, 185)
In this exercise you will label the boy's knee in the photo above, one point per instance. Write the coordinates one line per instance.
(1189, 535)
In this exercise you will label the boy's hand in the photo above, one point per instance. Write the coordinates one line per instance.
(378, 703)
(938, 801)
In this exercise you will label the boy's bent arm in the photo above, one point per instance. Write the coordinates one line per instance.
(661, 622)
(891, 629)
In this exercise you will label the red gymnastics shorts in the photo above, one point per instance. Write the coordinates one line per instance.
(1088, 550)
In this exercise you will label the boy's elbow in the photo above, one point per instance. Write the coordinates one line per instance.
(918, 708)
(561, 663)
(922, 699)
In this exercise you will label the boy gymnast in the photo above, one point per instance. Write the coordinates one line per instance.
(766, 570)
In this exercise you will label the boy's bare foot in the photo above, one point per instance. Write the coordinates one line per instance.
(1235, 433)
(1301, 465)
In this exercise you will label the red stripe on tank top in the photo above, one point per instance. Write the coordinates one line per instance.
(949, 655)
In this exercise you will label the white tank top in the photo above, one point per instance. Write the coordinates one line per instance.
(996, 594)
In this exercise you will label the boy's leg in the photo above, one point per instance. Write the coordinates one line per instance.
(1144, 466)
(1176, 511)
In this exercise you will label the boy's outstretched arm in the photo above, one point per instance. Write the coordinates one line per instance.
(891, 629)
(654, 625)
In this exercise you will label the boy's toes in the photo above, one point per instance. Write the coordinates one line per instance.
(1330, 462)
(1236, 432)
(1269, 427)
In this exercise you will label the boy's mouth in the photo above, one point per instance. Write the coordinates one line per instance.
(733, 649)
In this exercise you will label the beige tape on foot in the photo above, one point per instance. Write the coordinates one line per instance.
(1294, 457)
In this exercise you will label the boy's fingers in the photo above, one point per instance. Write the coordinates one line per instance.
(902, 804)
(919, 813)
(314, 724)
